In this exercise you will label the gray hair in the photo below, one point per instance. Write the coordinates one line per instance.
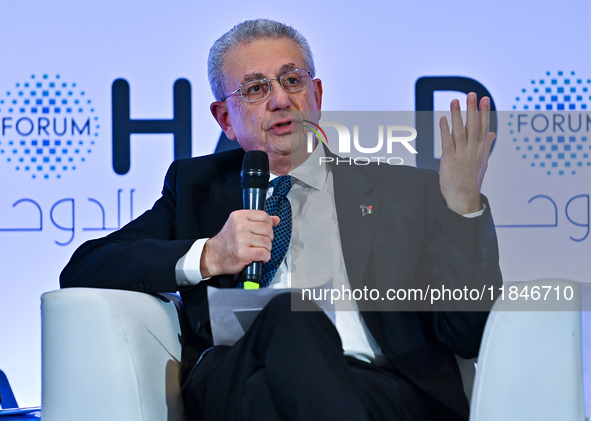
(246, 32)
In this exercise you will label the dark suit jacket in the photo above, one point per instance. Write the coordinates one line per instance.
(411, 239)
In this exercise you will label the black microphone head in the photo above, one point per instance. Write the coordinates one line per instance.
(255, 170)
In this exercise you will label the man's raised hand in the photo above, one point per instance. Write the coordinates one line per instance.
(465, 155)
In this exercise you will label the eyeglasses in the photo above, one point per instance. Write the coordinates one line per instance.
(257, 90)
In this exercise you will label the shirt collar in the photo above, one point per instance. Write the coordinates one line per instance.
(313, 172)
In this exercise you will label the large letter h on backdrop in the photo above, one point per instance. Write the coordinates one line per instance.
(124, 126)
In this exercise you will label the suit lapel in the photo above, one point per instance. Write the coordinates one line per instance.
(230, 195)
(219, 194)
(353, 190)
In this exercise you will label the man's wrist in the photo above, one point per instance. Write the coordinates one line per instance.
(204, 262)
(476, 214)
(188, 268)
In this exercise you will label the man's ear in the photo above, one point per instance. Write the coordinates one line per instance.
(219, 109)
(318, 94)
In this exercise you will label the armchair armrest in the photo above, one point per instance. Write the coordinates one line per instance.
(110, 355)
(530, 360)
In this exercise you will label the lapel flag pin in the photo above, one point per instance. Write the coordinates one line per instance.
(366, 210)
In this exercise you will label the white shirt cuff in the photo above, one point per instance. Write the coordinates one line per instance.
(188, 268)
(476, 214)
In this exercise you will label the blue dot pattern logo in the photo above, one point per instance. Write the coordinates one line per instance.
(49, 127)
(556, 149)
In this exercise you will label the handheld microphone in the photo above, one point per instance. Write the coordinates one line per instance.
(255, 181)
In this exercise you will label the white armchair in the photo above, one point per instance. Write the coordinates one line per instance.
(110, 355)
(530, 365)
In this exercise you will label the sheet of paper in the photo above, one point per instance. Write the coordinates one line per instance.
(232, 311)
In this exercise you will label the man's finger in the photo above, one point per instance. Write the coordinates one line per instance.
(458, 130)
(260, 241)
(257, 216)
(447, 144)
(260, 228)
(258, 254)
(484, 117)
(490, 139)
(472, 121)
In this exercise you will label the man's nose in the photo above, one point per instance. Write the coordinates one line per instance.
(278, 97)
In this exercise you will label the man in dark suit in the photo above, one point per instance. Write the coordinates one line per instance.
(298, 365)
